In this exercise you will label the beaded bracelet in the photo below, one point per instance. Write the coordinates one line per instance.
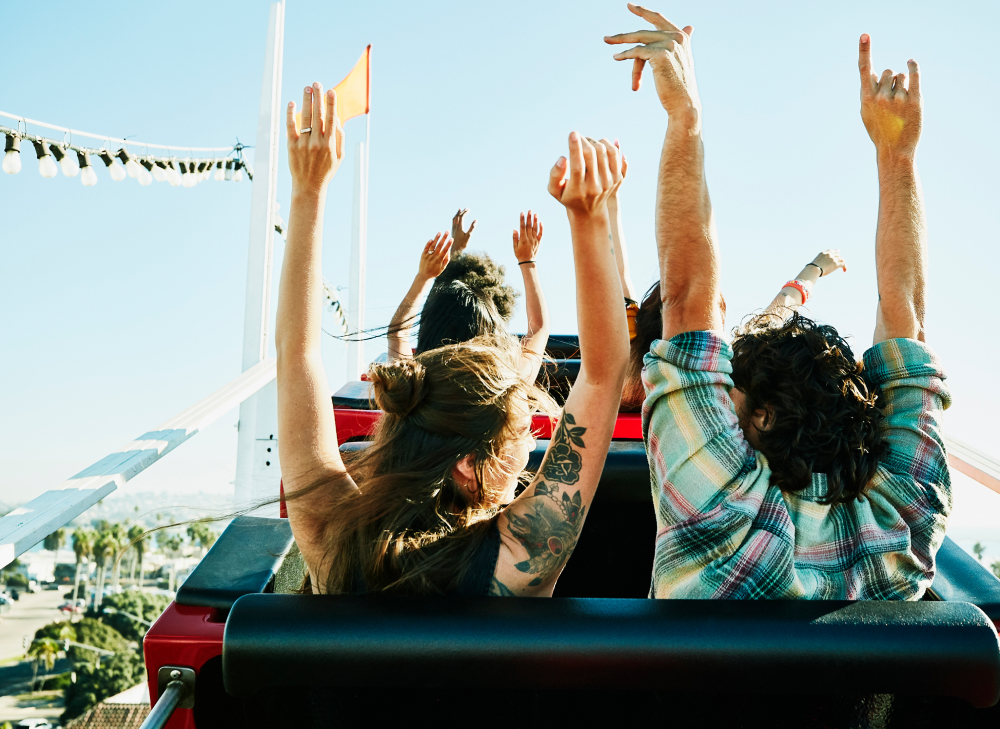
(799, 286)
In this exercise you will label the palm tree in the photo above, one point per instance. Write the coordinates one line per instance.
(978, 550)
(139, 550)
(44, 650)
(54, 540)
(103, 545)
(83, 540)
(119, 538)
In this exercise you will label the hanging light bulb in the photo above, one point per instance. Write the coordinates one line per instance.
(145, 176)
(12, 155)
(188, 178)
(87, 175)
(238, 171)
(206, 170)
(173, 176)
(220, 173)
(159, 171)
(46, 165)
(229, 169)
(66, 160)
(131, 166)
(116, 170)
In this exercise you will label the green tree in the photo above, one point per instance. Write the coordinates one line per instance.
(138, 550)
(201, 534)
(94, 684)
(118, 536)
(44, 650)
(142, 605)
(978, 549)
(104, 546)
(996, 568)
(55, 540)
(169, 542)
(83, 541)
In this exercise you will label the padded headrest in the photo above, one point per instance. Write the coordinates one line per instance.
(625, 476)
(932, 648)
(958, 577)
(242, 561)
(563, 346)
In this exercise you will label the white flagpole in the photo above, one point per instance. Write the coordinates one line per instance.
(359, 251)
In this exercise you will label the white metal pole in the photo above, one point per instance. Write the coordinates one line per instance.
(356, 305)
(257, 413)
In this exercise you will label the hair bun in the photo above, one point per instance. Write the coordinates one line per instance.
(398, 387)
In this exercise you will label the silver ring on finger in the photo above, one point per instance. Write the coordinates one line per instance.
(306, 130)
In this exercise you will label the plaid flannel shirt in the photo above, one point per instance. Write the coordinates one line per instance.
(724, 532)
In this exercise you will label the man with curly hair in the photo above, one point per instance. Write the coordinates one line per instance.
(781, 466)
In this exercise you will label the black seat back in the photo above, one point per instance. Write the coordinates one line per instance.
(936, 648)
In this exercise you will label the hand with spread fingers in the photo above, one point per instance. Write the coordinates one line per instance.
(435, 256)
(315, 152)
(667, 49)
(891, 111)
(527, 241)
(584, 181)
(460, 237)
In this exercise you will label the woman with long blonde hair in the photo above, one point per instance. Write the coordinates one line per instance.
(430, 506)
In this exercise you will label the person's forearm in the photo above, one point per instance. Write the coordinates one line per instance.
(685, 232)
(402, 321)
(789, 299)
(600, 314)
(618, 241)
(901, 249)
(537, 310)
(299, 316)
(537, 337)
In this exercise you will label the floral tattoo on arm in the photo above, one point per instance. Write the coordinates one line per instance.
(550, 527)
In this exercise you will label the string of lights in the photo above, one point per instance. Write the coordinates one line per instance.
(75, 159)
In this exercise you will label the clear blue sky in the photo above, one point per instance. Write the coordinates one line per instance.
(122, 305)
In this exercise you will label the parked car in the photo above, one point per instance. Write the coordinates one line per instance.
(34, 724)
(72, 607)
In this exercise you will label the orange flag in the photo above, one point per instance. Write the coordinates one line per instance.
(352, 92)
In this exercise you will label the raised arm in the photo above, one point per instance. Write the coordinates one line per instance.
(526, 243)
(433, 260)
(459, 236)
(307, 434)
(892, 114)
(539, 530)
(685, 228)
(618, 237)
(790, 298)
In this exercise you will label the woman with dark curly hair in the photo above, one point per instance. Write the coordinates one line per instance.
(467, 296)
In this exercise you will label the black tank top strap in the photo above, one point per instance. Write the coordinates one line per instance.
(479, 576)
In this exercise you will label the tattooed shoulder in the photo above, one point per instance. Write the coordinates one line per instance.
(549, 527)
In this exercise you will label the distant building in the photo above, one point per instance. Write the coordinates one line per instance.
(126, 710)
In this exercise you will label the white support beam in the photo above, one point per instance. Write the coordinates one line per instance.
(263, 213)
(29, 524)
(973, 463)
(359, 245)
